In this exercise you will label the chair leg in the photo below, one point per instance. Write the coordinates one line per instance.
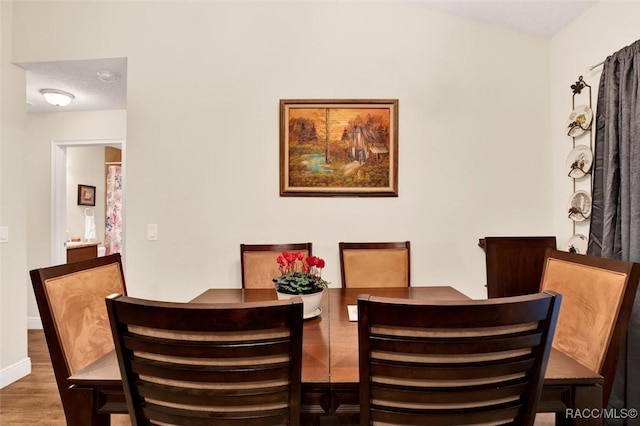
(84, 411)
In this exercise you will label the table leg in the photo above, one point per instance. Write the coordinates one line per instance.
(84, 411)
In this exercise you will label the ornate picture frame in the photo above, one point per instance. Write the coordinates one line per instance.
(338, 148)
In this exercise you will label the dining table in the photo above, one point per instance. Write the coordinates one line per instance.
(330, 372)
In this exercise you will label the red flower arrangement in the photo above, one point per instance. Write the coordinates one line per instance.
(300, 275)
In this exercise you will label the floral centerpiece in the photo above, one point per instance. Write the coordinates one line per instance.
(299, 275)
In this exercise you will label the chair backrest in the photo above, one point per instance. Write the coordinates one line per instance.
(383, 264)
(203, 364)
(598, 296)
(453, 362)
(258, 262)
(70, 299)
(514, 264)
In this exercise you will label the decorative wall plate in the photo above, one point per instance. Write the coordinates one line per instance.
(577, 244)
(579, 206)
(579, 161)
(579, 120)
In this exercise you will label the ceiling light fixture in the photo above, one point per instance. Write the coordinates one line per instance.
(106, 76)
(57, 97)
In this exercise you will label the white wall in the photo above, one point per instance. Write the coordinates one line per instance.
(601, 31)
(85, 166)
(204, 81)
(14, 362)
(41, 130)
(482, 139)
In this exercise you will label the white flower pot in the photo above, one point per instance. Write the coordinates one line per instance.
(311, 303)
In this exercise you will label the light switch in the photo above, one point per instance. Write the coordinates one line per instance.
(152, 231)
(4, 234)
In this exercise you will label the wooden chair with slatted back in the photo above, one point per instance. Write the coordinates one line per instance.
(598, 297)
(383, 264)
(70, 299)
(452, 363)
(258, 262)
(203, 364)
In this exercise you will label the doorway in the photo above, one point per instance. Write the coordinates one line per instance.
(59, 226)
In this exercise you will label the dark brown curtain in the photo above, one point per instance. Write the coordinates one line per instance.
(615, 218)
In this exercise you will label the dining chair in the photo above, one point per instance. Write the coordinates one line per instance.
(453, 362)
(70, 299)
(514, 264)
(258, 262)
(382, 264)
(203, 364)
(598, 297)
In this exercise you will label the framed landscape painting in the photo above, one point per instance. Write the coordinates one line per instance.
(340, 148)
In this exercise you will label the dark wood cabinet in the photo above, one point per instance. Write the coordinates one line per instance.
(82, 252)
(514, 264)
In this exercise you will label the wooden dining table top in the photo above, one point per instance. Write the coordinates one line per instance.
(315, 335)
(330, 341)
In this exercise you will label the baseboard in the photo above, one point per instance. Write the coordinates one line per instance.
(34, 323)
(15, 372)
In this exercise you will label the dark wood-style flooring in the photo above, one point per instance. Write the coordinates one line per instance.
(34, 400)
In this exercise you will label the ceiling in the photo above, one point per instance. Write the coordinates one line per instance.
(540, 18)
(79, 78)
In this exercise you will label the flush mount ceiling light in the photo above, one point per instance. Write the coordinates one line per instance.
(106, 76)
(57, 97)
